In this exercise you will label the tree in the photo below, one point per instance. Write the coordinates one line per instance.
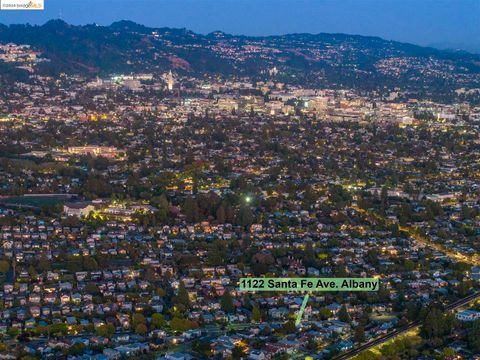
(312, 345)
(226, 302)
(383, 199)
(158, 321)
(89, 263)
(246, 216)
(97, 185)
(372, 256)
(150, 274)
(74, 265)
(437, 324)
(256, 314)
(367, 355)
(202, 347)
(190, 209)
(43, 264)
(161, 292)
(107, 330)
(289, 327)
(13, 332)
(92, 288)
(474, 337)
(340, 271)
(182, 296)
(343, 314)
(238, 353)
(390, 350)
(408, 265)
(161, 202)
(246, 302)
(448, 353)
(324, 313)
(181, 324)
(412, 310)
(57, 329)
(137, 319)
(359, 335)
(221, 214)
(76, 349)
(4, 266)
(32, 272)
(141, 329)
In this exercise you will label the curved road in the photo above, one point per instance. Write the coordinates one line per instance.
(403, 329)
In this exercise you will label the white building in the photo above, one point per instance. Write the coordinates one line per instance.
(80, 209)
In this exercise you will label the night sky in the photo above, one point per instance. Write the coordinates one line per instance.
(440, 23)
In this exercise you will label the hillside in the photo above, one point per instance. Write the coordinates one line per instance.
(333, 60)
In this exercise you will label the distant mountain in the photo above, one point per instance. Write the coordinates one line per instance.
(333, 60)
(469, 47)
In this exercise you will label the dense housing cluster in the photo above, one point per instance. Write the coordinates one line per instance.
(131, 205)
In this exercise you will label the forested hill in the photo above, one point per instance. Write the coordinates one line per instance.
(334, 60)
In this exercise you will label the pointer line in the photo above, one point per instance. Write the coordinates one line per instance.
(302, 309)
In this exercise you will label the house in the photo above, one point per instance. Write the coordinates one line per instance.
(112, 354)
(132, 349)
(275, 348)
(468, 315)
(339, 327)
(278, 313)
(176, 356)
(334, 308)
(257, 355)
(475, 273)
(79, 209)
(344, 345)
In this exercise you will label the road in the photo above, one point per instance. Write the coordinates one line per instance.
(473, 260)
(384, 338)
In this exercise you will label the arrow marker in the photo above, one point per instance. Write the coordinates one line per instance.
(302, 309)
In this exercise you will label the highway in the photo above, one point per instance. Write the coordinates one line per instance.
(384, 338)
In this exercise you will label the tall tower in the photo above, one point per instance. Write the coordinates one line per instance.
(170, 81)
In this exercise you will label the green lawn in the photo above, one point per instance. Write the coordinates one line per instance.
(36, 200)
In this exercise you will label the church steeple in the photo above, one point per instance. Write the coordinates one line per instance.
(170, 81)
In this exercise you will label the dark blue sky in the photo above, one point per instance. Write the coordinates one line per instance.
(442, 23)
